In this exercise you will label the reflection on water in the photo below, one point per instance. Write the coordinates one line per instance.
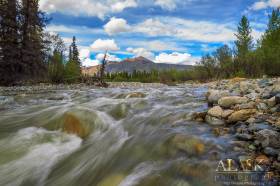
(107, 137)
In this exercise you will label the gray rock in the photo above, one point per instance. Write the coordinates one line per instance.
(255, 127)
(271, 102)
(214, 95)
(214, 121)
(271, 151)
(262, 106)
(216, 111)
(264, 83)
(245, 137)
(268, 138)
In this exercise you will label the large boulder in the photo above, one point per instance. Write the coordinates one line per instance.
(214, 121)
(241, 115)
(216, 111)
(268, 138)
(213, 96)
(229, 101)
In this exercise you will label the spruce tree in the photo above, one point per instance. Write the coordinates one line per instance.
(10, 65)
(243, 44)
(75, 52)
(32, 47)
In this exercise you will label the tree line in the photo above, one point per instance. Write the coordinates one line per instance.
(246, 58)
(27, 52)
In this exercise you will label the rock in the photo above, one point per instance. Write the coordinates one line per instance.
(241, 115)
(250, 105)
(262, 106)
(245, 137)
(199, 116)
(214, 121)
(271, 151)
(120, 111)
(252, 96)
(237, 79)
(72, 125)
(255, 127)
(216, 111)
(214, 95)
(136, 95)
(264, 83)
(229, 101)
(227, 113)
(271, 102)
(220, 131)
(277, 99)
(112, 180)
(247, 87)
(268, 138)
(262, 160)
(188, 144)
(252, 147)
(275, 89)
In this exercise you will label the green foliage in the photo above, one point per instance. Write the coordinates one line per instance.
(72, 72)
(56, 68)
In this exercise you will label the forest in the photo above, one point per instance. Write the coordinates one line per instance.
(29, 54)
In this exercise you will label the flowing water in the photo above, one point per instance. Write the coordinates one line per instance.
(124, 140)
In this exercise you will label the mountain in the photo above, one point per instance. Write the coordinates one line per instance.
(138, 64)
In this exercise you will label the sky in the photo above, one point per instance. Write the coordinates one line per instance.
(165, 31)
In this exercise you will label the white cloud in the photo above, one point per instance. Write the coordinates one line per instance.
(84, 53)
(175, 58)
(116, 25)
(265, 4)
(109, 57)
(203, 31)
(141, 52)
(103, 45)
(99, 8)
(90, 62)
(166, 4)
(73, 29)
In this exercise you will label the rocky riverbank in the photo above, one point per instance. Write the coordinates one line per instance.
(249, 109)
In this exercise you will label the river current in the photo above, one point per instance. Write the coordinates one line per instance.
(146, 140)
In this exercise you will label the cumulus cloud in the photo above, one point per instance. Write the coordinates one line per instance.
(116, 25)
(265, 4)
(103, 45)
(109, 57)
(99, 8)
(166, 4)
(175, 58)
(90, 62)
(141, 52)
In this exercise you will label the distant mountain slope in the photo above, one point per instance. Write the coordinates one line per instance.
(138, 64)
(142, 64)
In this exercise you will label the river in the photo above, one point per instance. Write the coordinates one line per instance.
(140, 139)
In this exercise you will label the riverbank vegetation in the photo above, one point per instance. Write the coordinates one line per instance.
(29, 54)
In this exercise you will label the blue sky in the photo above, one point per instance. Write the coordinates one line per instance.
(165, 31)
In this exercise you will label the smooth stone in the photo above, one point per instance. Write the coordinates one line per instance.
(112, 180)
(250, 105)
(252, 147)
(216, 111)
(268, 138)
(271, 102)
(227, 113)
(241, 115)
(229, 101)
(271, 151)
(213, 96)
(214, 121)
(262, 106)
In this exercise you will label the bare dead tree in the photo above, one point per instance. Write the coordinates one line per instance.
(102, 71)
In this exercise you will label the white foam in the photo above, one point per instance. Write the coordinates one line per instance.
(40, 157)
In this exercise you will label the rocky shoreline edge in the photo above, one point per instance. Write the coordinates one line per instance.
(248, 109)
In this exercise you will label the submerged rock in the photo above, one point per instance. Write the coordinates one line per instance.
(188, 144)
(229, 101)
(72, 125)
(112, 180)
(120, 111)
(136, 95)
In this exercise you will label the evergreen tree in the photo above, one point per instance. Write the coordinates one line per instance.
(32, 48)
(56, 67)
(10, 64)
(224, 57)
(270, 45)
(244, 45)
(75, 52)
